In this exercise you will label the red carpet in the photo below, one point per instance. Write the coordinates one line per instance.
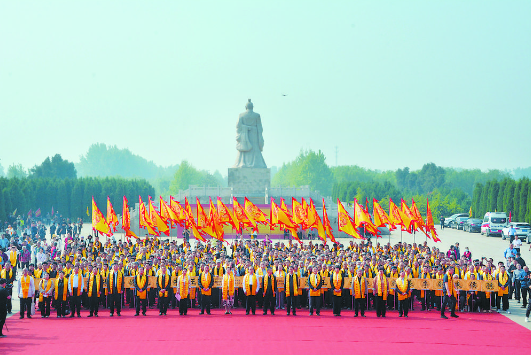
(421, 333)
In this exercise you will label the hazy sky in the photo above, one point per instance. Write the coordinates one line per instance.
(390, 83)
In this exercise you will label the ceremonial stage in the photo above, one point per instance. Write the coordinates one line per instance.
(421, 333)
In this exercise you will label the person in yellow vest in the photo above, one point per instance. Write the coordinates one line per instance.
(184, 286)
(206, 281)
(13, 258)
(141, 287)
(45, 295)
(61, 294)
(291, 287)
(449, 293)
(503, 290)
(227, 289)
(76, 285)
(4, 297)
(380, 290)
(94, 290)
(402, 291)
(9, 274)
(251, 286)
(315, 283)
(26, 291)
(336, 284)
(269, 289)
(359, 292)
(115, 283)
(163, 285)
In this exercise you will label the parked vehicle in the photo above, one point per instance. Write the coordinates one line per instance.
(459, 222)
(472, 225)
(449, 220)
(493, 223)
(522, 229)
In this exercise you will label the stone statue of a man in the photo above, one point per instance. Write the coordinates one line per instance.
(249, 139)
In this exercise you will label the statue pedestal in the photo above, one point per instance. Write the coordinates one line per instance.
(250, 182)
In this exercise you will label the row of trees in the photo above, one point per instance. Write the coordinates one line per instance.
(506, 195)
(68, 197)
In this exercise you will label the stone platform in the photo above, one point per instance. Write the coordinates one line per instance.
(250, 182)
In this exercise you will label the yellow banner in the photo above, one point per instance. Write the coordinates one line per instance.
(416, 283)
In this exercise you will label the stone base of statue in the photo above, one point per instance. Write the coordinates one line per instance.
(250, 182)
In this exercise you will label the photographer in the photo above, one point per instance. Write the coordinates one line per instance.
(5, 296)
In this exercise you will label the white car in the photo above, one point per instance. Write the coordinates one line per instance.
(494, 223)
(522, 230)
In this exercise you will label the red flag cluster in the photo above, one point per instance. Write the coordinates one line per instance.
(408, 218)
(301, 216)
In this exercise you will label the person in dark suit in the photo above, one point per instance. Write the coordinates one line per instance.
(315, 283)
(141, 287)
(94, 289)
(115, 283)
(269, 284)
(206, 281)
(164, 286)
(5, 296)
(291, 286)
(336, 284)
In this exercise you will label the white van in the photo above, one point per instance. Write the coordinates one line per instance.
(493, 223)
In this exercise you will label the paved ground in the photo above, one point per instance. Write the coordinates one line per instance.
(478, 244)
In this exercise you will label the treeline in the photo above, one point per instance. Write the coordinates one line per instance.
(69, 197)
(506, 195)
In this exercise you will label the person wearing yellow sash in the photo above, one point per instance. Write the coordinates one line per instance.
(94, 289)
(291, 286)
(206, 281)
(115, 283)
(61, 293)
(449, 294)
(105, 275)
(26, 291)
(280, 294)
(184, 283)
(503, 290)
(336, 285)
(76, 285)
(251, 285)
(315, 282)
(269, 288)
(402, 291)
(163, 285)
(141, 288)
(13, 258)
(380, 289)
(359, 291)
(227, 289)
(9, 274)
(45, 295)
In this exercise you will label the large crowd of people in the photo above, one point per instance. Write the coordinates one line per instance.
(76, 274)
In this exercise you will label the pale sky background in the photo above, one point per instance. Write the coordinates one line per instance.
(390, 83)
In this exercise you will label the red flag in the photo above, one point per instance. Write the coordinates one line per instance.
(98, 220)
(380, 216)
(241, 216)
(112, 219)
(144, 219)
(326, 224)
(157, 220)
(344, 222)
(255, 213)
(225, 216)
(213, 219)
(203, 223)
(126, 220)
(430, 226)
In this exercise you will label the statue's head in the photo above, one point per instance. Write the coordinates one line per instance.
(249, 105)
